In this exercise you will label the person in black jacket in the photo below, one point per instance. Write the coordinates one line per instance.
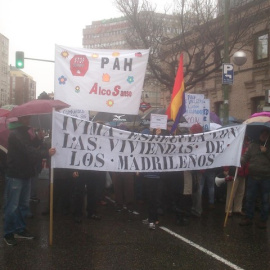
(258, 182)
(22, 158)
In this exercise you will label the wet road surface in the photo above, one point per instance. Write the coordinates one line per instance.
(119, 241)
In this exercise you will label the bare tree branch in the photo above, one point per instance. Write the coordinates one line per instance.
(193, 28)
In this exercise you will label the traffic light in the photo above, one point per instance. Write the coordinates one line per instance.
(19, 59)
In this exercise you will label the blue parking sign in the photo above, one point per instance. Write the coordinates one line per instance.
(227, 73)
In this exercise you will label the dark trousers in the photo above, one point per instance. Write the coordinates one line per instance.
(123, 184)
(91, 193)
(254, 187)
(151, 186)
(86, 184)
(173, 187)
(62, 194)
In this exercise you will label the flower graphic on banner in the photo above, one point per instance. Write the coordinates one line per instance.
(115, 54)
(95, 55)
(99, 78)
(65, 54)
(138, 54)
(106, 77)
(62, 80)
(110, 102)
(130, 79)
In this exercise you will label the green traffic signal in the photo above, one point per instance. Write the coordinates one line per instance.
(19, 59)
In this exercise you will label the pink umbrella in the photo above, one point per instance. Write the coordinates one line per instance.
(37, 107)
(258, 119)
(3, 112)
(260, 114)
(4, 132)
(256, 123)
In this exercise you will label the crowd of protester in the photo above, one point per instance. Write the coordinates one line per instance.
(182, 193)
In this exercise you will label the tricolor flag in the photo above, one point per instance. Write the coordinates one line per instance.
(177, 106)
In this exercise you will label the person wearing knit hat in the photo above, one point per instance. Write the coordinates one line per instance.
(196, 128)
(170, 123)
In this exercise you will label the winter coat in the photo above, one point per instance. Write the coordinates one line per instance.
(23, 154)
(259, 162)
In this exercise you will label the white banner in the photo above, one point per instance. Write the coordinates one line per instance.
(91, 146)
(100, 80)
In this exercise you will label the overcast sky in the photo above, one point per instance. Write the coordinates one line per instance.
(36, 26)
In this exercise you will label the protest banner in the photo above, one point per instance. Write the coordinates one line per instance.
(82, 114)
(100, 80)
(197, 111)
(158, 121)
(91, 146)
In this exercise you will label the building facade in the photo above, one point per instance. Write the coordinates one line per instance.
(247, 94)
(22, 87)
(111, 34)
(251, 81)
(4, 70)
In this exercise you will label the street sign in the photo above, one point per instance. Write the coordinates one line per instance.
(144, 106)
(227, 73)
(267, 96)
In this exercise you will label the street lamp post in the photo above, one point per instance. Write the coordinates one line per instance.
(1, 98)
(225, 87)
(239, 59)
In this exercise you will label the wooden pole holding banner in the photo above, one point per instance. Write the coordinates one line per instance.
(51, 188)
(51, 207)
(230, 200)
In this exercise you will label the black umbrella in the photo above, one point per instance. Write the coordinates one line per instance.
(254, 129)
(115, 117)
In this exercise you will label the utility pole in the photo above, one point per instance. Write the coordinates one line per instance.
(226, 58)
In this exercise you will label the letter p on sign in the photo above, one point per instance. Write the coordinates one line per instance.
(227, 74)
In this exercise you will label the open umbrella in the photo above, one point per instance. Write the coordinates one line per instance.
(214, 118)
(4, 132)
(3, 112)
(37, 107)
(115, 117)
(214, 126)
(233, 120)
(8, 107)
(255, 125)
(261, 114)
(131, 121)
(257, 119)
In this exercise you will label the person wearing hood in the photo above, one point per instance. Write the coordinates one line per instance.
(258, 156)
(22, 157)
